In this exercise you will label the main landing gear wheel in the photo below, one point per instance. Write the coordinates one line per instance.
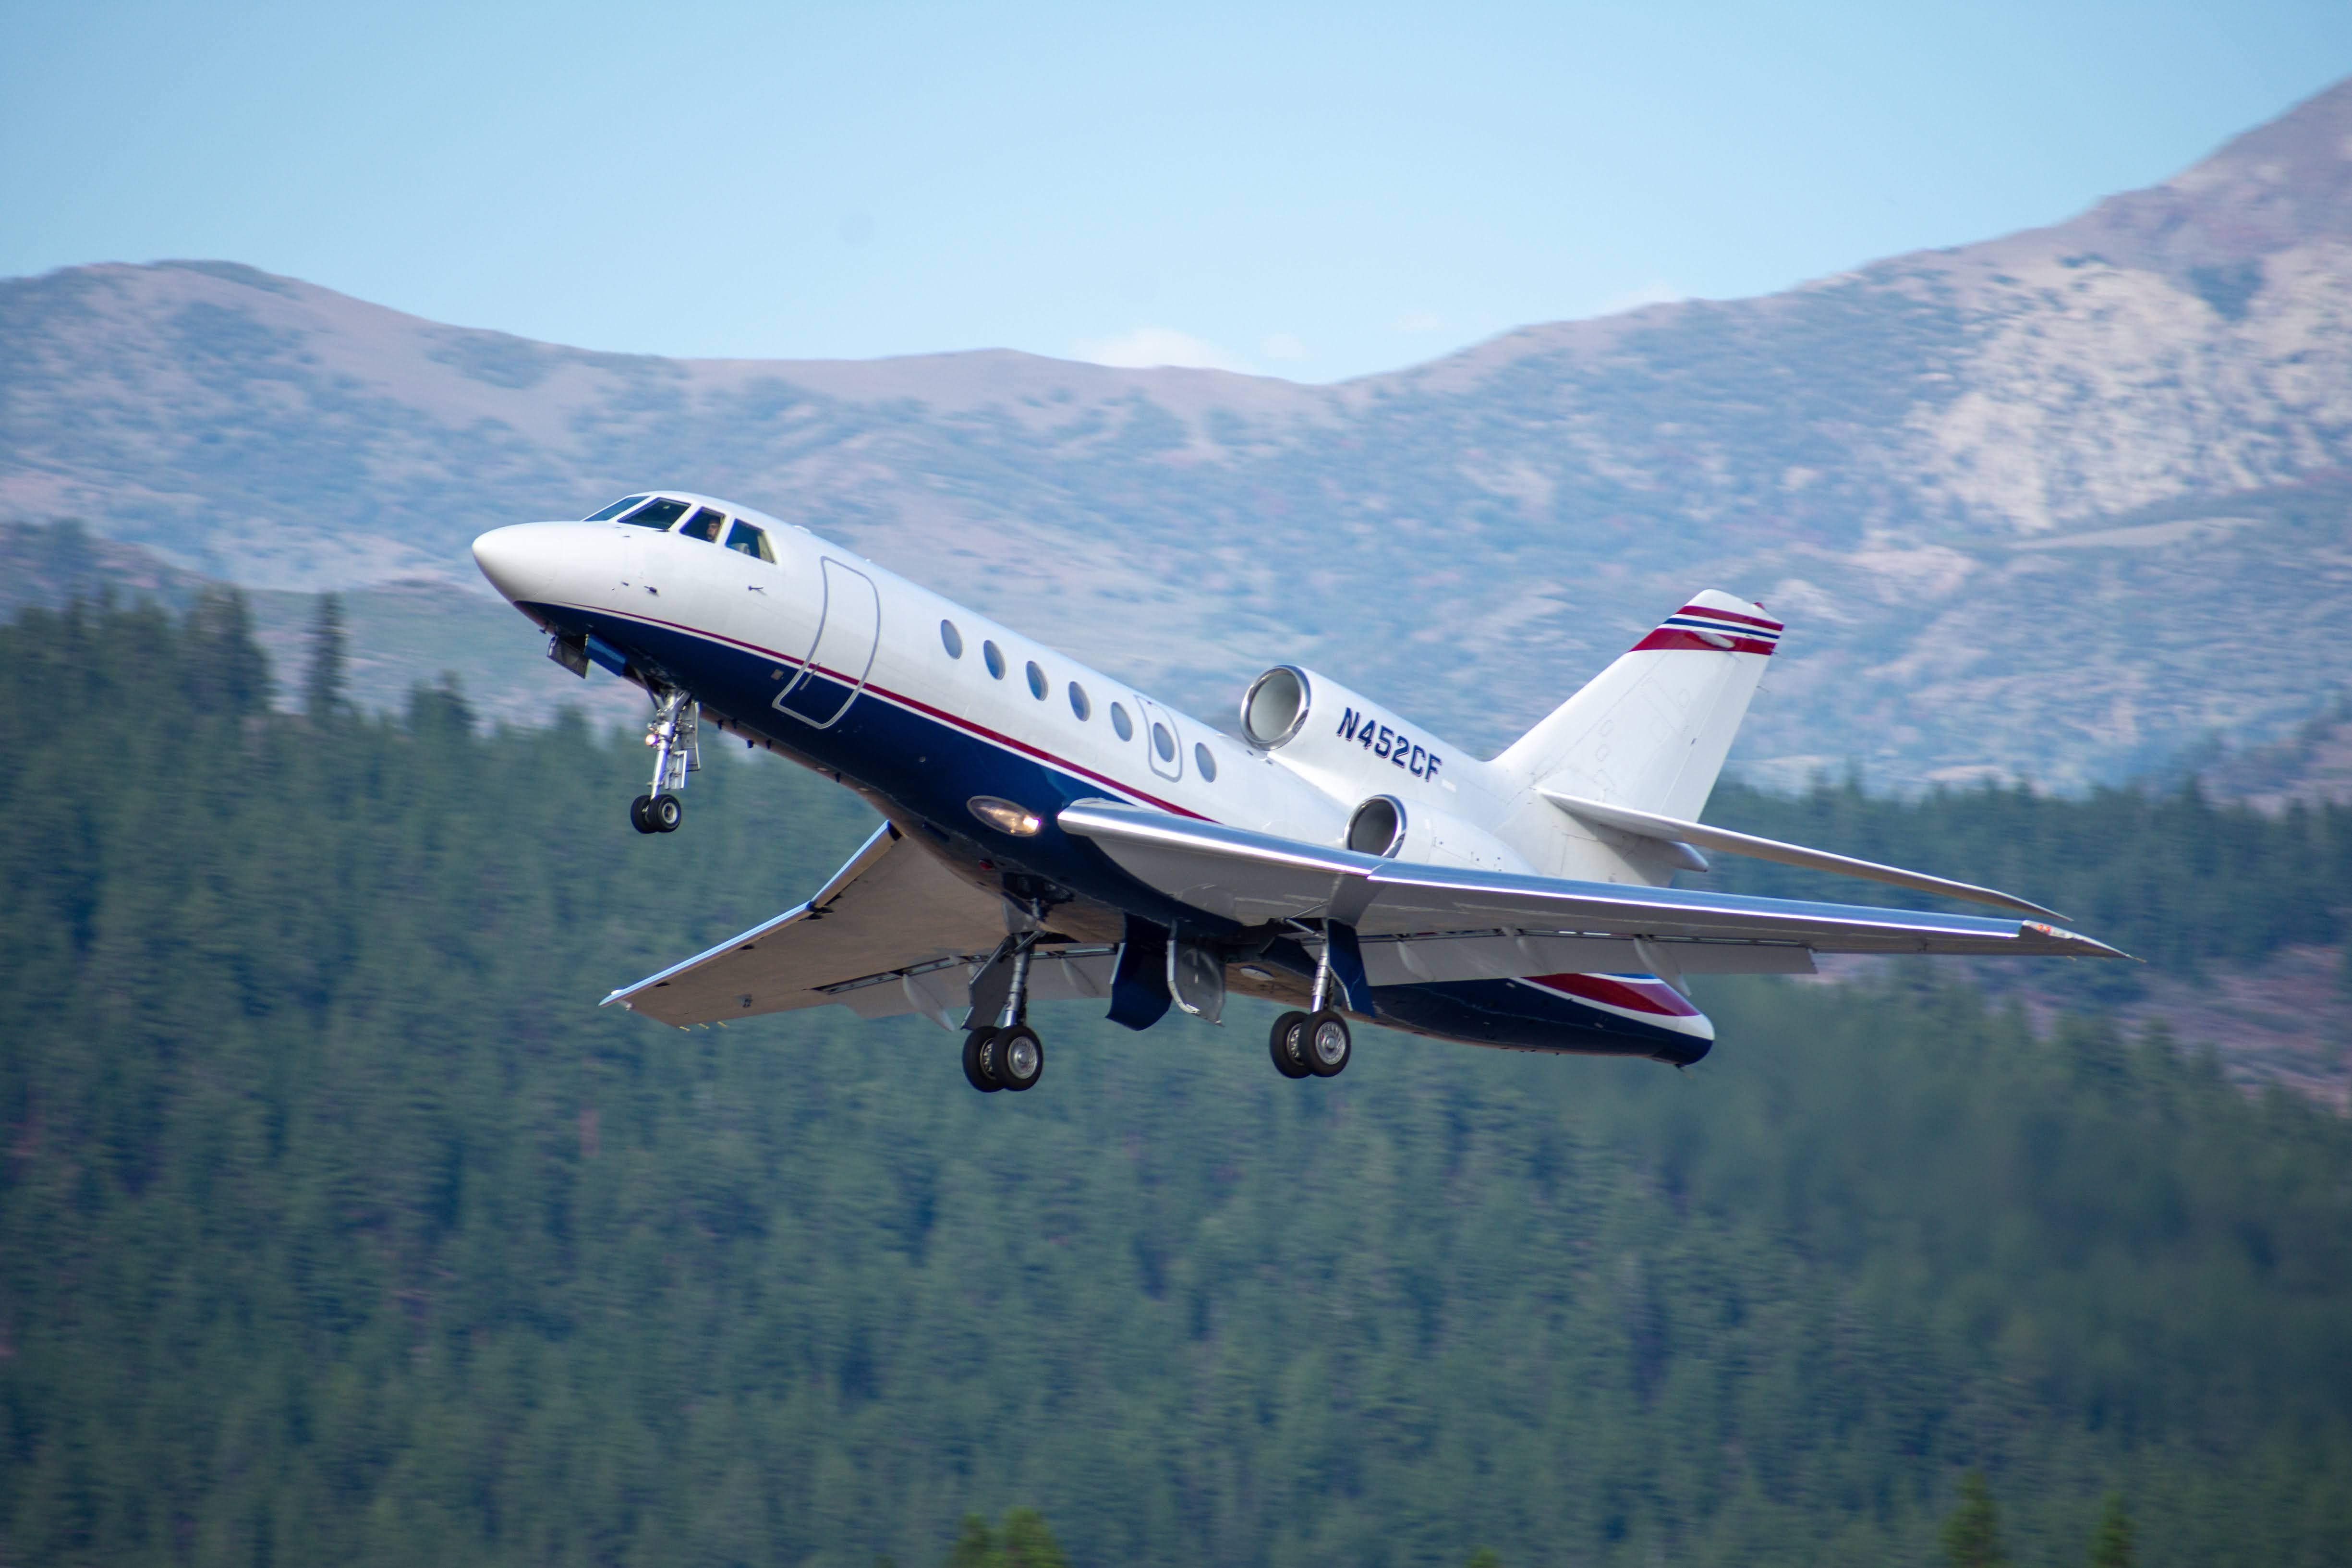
(1328, 1045)
(638, 818)
(980, 1061)
(1018, 1058)
(665, 813)
(1288, 1045)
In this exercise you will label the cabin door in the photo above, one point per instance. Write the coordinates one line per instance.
(849, 624)
(1163, 743)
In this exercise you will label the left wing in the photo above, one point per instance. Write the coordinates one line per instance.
(893, 932)
(1254, 877)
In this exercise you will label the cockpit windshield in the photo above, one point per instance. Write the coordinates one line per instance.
(658, 513)
(705, 525)
(616, 510)
(750, 541)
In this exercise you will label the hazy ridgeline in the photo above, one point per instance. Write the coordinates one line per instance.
(336, 1224)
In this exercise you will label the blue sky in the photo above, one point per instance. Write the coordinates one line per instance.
(1303, 191)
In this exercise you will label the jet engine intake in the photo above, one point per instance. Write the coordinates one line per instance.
(1387, 826)
(1324, 732)
(1274, 706)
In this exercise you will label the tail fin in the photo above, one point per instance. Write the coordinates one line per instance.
(1650, 731)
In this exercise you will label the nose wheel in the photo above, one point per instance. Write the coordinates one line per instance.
(656, 813)
(672, 735)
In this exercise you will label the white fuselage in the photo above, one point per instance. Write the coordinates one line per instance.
(818, 604)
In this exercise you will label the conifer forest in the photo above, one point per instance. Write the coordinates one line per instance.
(339, 1224)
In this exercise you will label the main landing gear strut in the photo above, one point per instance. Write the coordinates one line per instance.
(1006, 1054)
(672, 734)
(1314, 1044)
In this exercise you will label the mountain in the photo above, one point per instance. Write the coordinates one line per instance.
(2062, 504)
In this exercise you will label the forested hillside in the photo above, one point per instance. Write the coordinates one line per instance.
(2172, 877)
(336, 1222)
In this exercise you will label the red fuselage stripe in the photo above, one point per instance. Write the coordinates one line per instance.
(1618, 993)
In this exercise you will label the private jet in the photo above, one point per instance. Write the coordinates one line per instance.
(1051, 832)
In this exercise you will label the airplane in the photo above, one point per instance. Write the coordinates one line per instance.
(1050, 833)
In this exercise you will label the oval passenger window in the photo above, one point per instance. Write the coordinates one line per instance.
(1163, 742)
(952, 639)
(1121, 722)
(1037, 687)
(993, 657)
(1078, 703)
(1205, 761)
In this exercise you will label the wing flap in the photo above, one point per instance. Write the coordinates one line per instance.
(1438, 956)
(1256, 877)
(891, 909)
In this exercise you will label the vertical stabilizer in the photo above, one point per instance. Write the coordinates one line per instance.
(1650, 731)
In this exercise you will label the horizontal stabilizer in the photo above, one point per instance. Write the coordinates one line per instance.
(1672, 830)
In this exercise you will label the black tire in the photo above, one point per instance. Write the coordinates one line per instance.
(1288, 1045)
(639, 815)
(1018, 1058)
(665, 813)
(1329, 1046)
(980, 1062)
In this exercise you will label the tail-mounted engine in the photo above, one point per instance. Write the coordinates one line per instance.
(1428, 837)
(1360, 751)
(1319, 729)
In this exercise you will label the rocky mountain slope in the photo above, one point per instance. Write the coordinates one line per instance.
(2060, 504)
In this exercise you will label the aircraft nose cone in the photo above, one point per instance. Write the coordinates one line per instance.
(516, 560)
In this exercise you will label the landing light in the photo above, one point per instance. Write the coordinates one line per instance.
(1005, 816)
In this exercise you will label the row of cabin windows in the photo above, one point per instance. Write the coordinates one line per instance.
(1162, 741)
(658, 512)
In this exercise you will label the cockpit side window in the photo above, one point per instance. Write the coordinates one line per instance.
(616, 510)
(656, 514)
(750, 541)
(705, 525)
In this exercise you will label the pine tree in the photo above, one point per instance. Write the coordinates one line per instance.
(322, 686)
(1029, 1543)
(1972, 1535)
(2112, 1547)
(975, 1545)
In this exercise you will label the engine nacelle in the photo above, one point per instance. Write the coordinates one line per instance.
(1352, 748)
(1407, 804)
(1428, 837)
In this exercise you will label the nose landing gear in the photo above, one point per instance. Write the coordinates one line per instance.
(677, 719)
(656, 813)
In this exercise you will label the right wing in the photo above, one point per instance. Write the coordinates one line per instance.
(894, 931)
(1257, 878)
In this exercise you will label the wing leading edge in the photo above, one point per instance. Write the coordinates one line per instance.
(1255, 878)
(893, 932)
